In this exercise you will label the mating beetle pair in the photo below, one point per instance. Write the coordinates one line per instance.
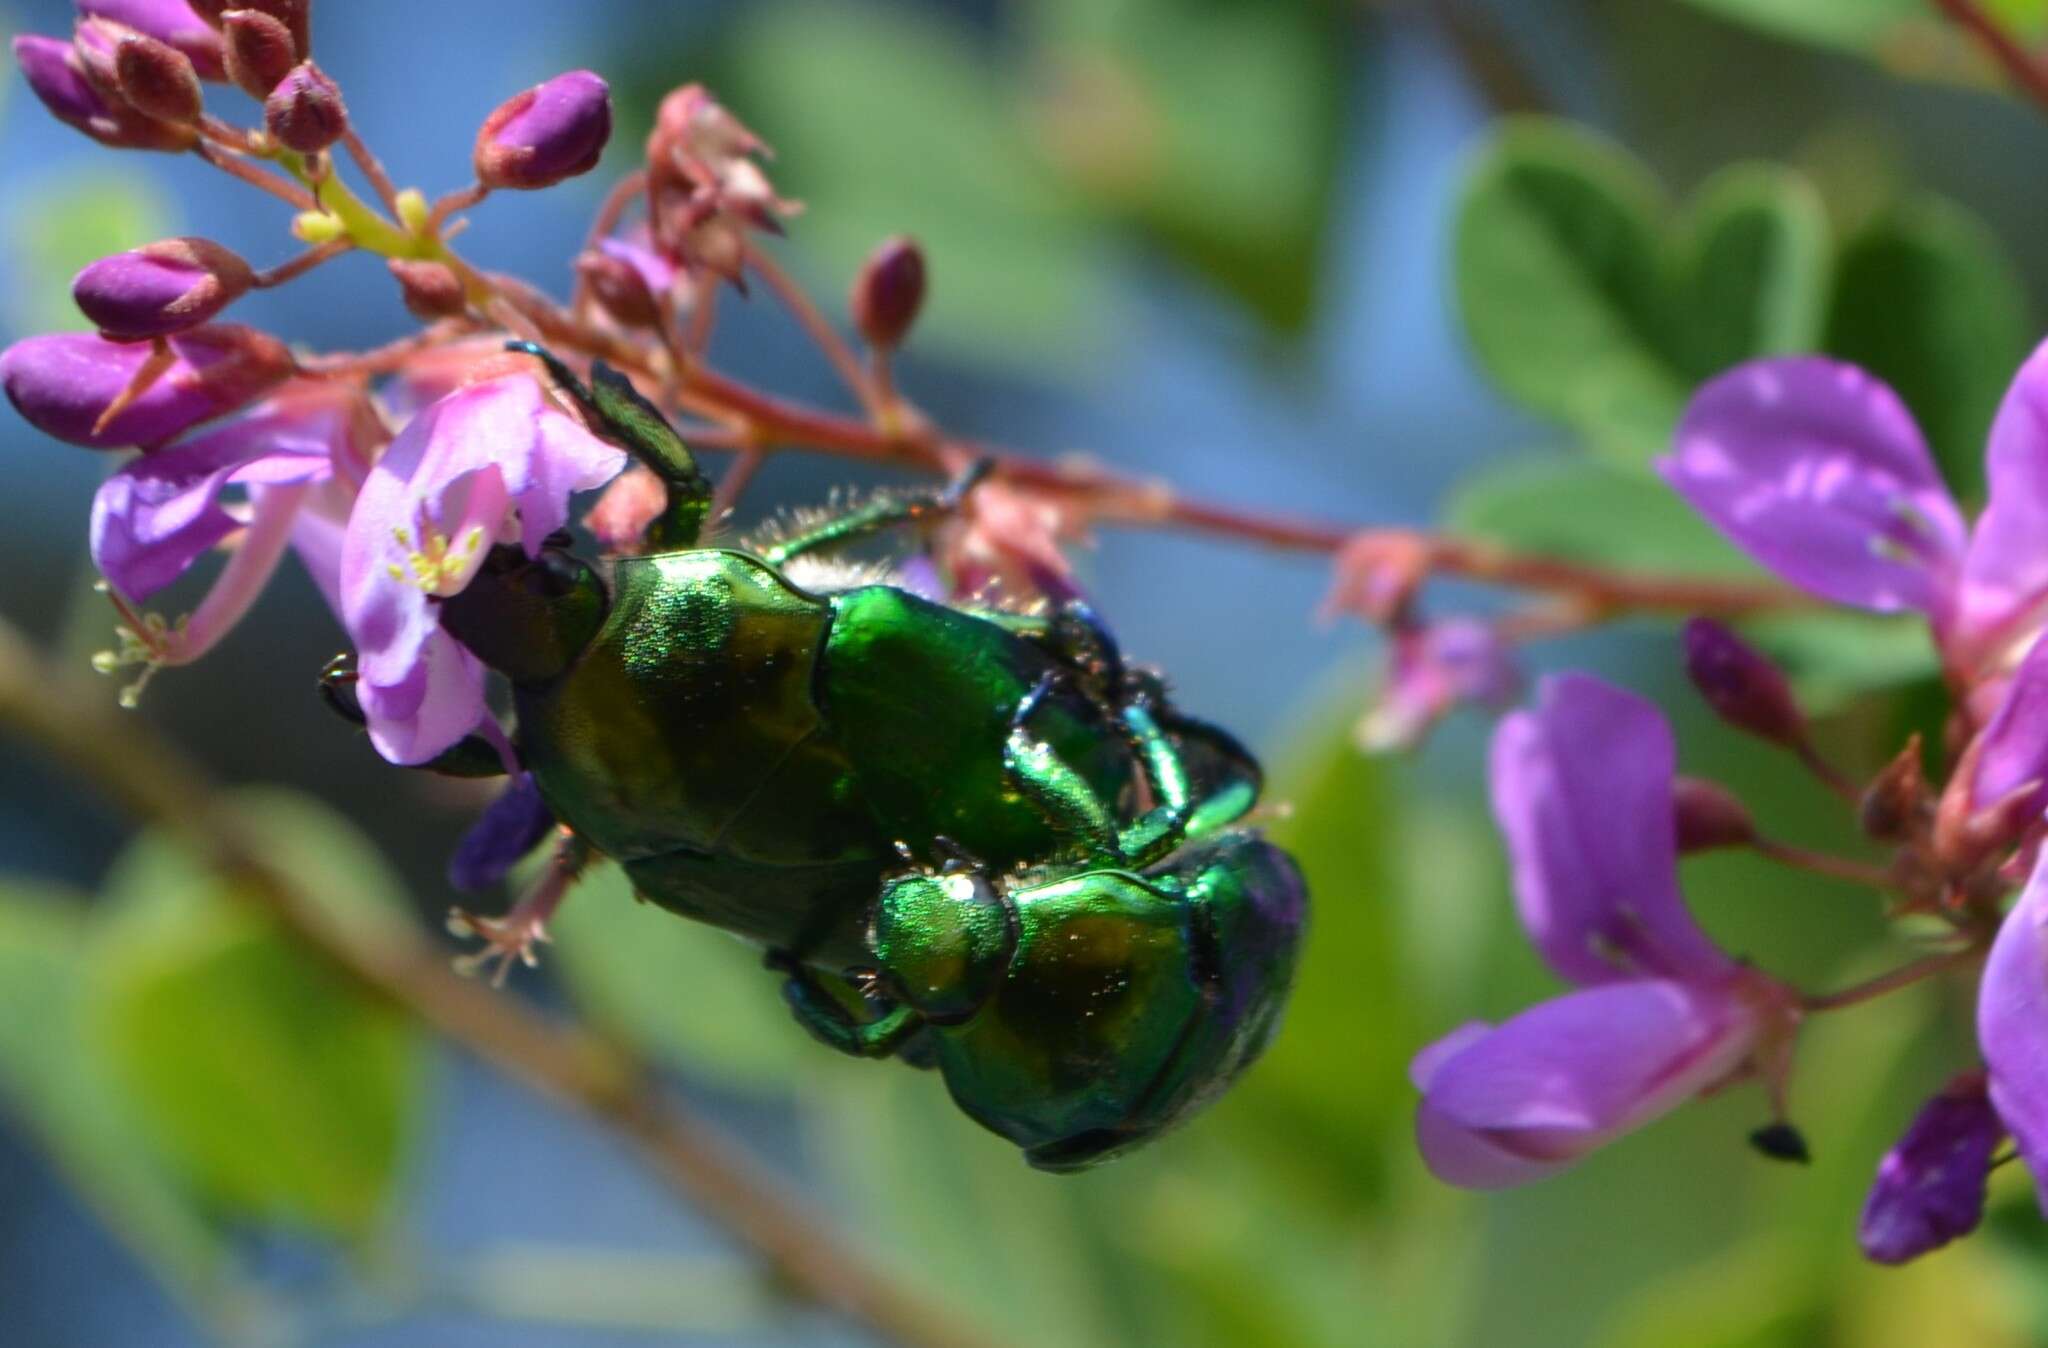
(973, 824)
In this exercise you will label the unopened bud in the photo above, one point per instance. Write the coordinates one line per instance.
(160, 288)
(889, 291)
(550, 132)
(619, 289)
(172, 22)
(305, 112)
(1708, 816)
(1743, 687)
(1896, 800)
(56, 74)
(64, 384)
(295, 15)
(260, 51)
(158, 80)
(431, 290)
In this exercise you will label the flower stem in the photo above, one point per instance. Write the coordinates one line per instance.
(298, 198)
(122, 756)
(2020, 64)
(241, 581)
(1822, 863)
(1902, 977)
(798, 302)
(372, 169)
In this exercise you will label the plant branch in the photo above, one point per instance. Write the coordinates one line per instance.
(2020, 65)
(77, 727)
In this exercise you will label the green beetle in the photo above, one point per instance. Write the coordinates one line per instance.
(761, 754)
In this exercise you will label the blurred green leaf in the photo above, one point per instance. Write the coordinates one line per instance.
(1212, 123)
(281, 1091)
(1834, 655)
(685, 991)
(889, 121)
(1590, 510)
(1582, 302)
(54, 1084)
(1928, 299)
(56, 227)
(1909, 38)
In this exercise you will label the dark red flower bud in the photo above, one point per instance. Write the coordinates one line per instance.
(1897, 800)
(889, 291)
(56, 74)
(64, 383)
(305, 112)
(431, 290)
(619, 289)
(548, 133)
(168, 21)
(1743, 687)
(295, 15)
(1708, 816)
(158, 80)
(161, 288)
(260, 51)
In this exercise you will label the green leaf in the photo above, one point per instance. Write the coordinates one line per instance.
(686, 992)
(57, 1086)
(1910, 38)
(1213, 125)
(1556, 259)
(1929, 300)
(281, 1091)
(1588, 510)
(1752, 276)
(56, 227)
(887, 121)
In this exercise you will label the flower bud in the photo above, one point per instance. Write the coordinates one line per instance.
(1896, 800)
(1930, 1186)
(64, 383)
(295, 15)
(160, 288)
(510, 827)
(260, 51)
(889, 291)
(619, 288)
(305, 112)
(172, 22)
(158, 80)
(548, 133)
(1708, 816)
(1743, 687)
(56, 73)
(431, 290)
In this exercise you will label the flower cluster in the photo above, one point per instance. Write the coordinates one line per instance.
(1817, 470)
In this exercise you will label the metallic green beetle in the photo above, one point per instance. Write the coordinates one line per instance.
(760, 754)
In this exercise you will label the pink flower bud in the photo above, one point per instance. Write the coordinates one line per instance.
(158, 80)
(305, 112)
(260, 51)
(889, 291)
(620, 288)
(168, 21)
(64, 383)
(431, 290)
(57, 76)
(1743, 687)
(1708, 816)
(161, 288)
(551, 132)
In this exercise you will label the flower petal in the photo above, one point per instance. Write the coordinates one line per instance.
(438, 701)
(1582, 787)
(2014, 749)
(1818, 471)
(2006, 569)
(2012, 1024)
(1930, 1186)
(1572, 1074)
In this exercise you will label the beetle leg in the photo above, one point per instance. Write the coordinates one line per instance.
(828, 1021)
(616, 411)
(1162, 828)
(1069, 805)
(883, 512)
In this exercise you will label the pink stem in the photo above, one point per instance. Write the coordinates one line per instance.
(249, 569)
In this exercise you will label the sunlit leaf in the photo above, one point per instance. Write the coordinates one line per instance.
(686, 992)
(1589, 510)
(281, 1090)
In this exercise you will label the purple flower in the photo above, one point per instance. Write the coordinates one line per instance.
(550, 132)
(168, 21)
(1583, 788)
(64, 383)
(513, 825)
(2012, 1024)
(1436, 667)
(160, 288)
(488, 461)
(57, 77)
(1930, 1186)
(1817, 469)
